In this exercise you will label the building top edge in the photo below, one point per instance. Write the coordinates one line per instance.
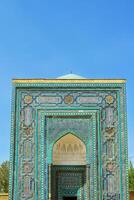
(68, 81)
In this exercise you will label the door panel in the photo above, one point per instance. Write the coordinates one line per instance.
(68, 182)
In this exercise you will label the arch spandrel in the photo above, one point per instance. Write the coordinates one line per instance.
(69, 150)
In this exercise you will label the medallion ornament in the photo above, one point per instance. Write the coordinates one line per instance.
(109, 99)
(27, 129)
(69, 99)
(110, 132)
(28, 99)
(110, 166)
(27, 167)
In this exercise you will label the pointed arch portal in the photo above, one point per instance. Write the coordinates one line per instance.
(69, 168)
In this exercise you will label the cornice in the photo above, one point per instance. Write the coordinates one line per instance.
(28, 81)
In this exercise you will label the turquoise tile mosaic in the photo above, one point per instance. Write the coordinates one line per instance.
(43, 112)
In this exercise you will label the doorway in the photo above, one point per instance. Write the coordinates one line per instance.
(68, 172)
(69, 198)
(68, 180)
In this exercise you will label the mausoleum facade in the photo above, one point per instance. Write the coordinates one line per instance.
(69, 139)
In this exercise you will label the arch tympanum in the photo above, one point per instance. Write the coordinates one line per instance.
(69, 150)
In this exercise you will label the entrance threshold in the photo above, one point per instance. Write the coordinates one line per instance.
(69, 198)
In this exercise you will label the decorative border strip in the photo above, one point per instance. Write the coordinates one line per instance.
(43, 159)
(12, 146)
(69, 85)
(44, 169)
(17, 123)
(126, 141)
(120, 145)
(68, 81)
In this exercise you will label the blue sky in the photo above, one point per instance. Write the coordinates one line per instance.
(46, 39)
